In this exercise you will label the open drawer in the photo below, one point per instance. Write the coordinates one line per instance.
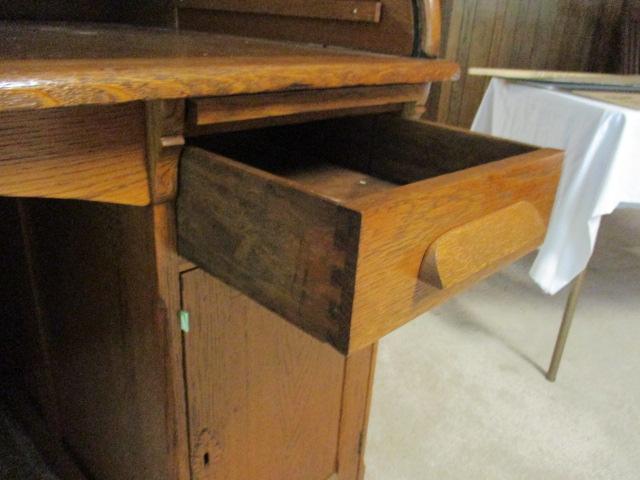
(351, 227)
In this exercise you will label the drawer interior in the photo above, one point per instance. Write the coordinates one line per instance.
(347, 158)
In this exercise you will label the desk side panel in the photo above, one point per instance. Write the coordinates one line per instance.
(108, 339)
(87, 153)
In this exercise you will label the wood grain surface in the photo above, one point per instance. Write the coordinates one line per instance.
(236, 108)
(264, 397)
(291, 250)
(356, 401)
(143, 12)
(338, 183)
(630, 38)
(168, 305)
(306, 210)
(341, 10)
(473, 247)
(26, 383)
(431, 28)
(89, 153)
(292, 119)
(164, 121)
(58, 65)
(108, 338)
(396, 233)
(396, 33)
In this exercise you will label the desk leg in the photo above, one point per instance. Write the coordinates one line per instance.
(563, 333)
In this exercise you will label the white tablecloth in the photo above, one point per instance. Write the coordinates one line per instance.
(601, 168)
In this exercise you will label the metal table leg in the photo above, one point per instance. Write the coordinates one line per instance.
(563, 333)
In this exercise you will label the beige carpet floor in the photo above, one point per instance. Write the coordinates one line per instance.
(460, 392)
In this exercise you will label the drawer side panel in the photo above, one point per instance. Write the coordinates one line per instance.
(290, 250)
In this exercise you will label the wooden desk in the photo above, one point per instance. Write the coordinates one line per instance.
(58, 65)
(147, 367)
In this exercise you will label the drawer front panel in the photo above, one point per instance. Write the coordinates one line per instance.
(476, 221)
(241, 112)
(351, 227)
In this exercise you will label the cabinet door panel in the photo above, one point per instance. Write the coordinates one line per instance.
(264, 398)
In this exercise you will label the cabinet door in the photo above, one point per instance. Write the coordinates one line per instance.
(264, 398)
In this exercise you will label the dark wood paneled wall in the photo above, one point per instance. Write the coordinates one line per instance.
(630, 37)
(578, 35)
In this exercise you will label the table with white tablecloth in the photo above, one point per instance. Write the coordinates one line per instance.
(601, 170)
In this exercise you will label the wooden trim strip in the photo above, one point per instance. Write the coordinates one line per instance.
(573, 79)
(168, 304)
(356, 402)
(345, 10)
(214, 110)
(431, 28)
(293, 119)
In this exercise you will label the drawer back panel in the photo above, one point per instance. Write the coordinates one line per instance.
(384, 146)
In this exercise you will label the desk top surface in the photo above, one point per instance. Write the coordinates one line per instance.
(55, 65)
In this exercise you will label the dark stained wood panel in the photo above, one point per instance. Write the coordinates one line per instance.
(257, 221)
(14, 299)
(630, 38)
(59, 10)
(567, 35)
(144, 12)
(48, 66)
(339, 10)
(107, 335)
(168, 307)
(394, 34)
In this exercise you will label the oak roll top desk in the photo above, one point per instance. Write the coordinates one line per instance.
(208, 226)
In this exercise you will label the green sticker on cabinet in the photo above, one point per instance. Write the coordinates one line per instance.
(184, 321)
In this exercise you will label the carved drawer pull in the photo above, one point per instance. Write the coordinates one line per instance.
(481, 245)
